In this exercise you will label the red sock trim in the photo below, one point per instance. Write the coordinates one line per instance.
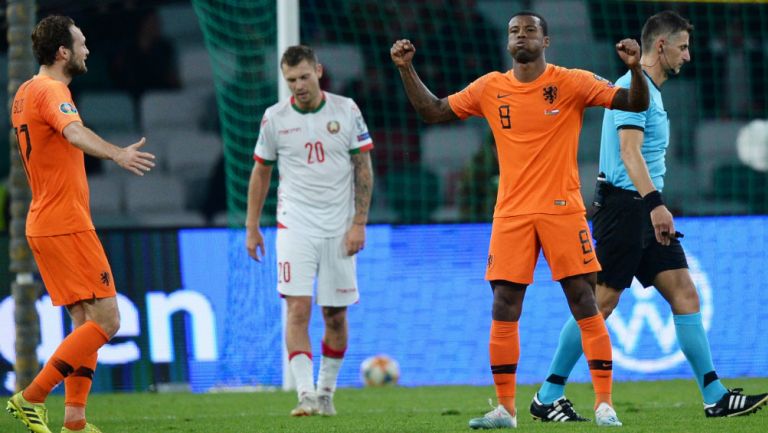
(299, 352)
(331, 352)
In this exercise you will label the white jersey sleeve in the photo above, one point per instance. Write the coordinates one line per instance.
(361, 139)
(265, 150)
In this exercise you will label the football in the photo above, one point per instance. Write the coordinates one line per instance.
(752, 145)
(379, 370)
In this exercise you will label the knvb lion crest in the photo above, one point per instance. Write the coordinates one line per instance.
(550, 94)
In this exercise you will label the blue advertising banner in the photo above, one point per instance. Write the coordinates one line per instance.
(196, 309)
(424, 302)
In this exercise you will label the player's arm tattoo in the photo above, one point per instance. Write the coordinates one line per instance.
(636, 98)
(430, 108)
(363, 178)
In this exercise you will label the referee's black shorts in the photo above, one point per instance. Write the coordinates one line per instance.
(625, 242)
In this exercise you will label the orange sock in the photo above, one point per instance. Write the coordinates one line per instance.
(597, 349)
(78, 384)
(75, 425)
(82, 343)
(505, 353)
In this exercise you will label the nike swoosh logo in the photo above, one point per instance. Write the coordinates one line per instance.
(499, 95)
(588, 261)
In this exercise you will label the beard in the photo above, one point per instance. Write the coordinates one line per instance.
(524, 56)
(672, 72)
(668, 69)
(73, 68)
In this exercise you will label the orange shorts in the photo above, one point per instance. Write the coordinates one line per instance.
(73, 266)
(516, 242)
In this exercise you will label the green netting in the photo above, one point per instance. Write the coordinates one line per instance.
(240, 37)
(435, 173)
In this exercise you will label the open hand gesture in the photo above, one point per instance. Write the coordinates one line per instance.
(134, 160)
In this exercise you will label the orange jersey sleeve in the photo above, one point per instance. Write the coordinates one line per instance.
(55, 168)
(536, 128)
(54, 103)
(597, 90)
(467, 102)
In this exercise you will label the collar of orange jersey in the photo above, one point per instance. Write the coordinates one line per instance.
(302, 111)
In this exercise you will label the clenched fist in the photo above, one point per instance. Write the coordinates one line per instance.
(402, 52)
(629, 51)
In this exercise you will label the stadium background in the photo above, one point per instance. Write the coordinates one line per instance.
(424, 299)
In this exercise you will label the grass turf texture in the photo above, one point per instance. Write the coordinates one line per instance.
(664, 406)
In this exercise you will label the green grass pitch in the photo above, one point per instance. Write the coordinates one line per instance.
(647, 407)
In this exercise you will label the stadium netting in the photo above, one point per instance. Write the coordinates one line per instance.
(716, 162)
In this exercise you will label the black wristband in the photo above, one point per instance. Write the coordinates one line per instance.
(652, 200)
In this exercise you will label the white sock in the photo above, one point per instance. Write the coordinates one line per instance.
(326, 377)
(301, 367)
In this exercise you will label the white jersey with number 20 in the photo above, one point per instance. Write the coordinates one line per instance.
(313, 152)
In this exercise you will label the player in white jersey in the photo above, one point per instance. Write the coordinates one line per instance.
(320, 143)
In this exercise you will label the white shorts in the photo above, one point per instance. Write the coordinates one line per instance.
(301, 258)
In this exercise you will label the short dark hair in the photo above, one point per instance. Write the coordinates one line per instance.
(663, 23)
(48, 35)
(542, 21)
(295, 54)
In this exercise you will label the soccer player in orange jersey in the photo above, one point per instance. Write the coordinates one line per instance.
(52, 141)
(635, 232)
(535, 112)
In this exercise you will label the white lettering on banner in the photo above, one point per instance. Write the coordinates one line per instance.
(10, 382)
(160, 307)
(625, 334)
(51, 328)
(52, 331)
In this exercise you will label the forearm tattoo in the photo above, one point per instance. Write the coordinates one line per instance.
(363, 186)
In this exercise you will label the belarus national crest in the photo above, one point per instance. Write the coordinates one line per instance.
(333, 126)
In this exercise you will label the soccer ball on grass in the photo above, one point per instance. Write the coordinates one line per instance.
(379, 370)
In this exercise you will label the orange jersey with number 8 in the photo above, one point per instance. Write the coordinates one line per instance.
(55, 168)
(536, 127)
